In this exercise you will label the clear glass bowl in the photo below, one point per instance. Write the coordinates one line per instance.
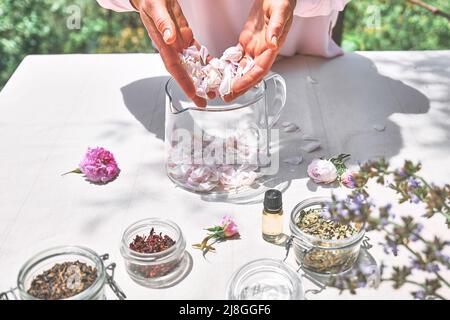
(319, 255)
(265, 279)
(155, 270)
(45, 260)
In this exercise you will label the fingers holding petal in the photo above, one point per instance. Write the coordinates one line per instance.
(184, 81)
(233, 95)
(262, 66)
(199, 102)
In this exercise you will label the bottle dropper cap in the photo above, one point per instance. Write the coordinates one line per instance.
(273, 200)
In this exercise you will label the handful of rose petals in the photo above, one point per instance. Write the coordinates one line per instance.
(215, 76)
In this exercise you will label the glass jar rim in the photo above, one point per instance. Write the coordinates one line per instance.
(259, 265)
(334, 243)
(172, 81)
(92, 290)
(157, 257)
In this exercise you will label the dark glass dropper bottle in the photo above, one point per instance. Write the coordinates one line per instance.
(272, 216)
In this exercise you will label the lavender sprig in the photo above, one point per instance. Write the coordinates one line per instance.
(406, 233)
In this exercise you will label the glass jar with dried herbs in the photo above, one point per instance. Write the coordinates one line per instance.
(63, 273)
(154, 252)
(320, 244)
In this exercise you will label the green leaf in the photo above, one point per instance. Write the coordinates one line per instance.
(339, 163)
(214, 229)
(77, 170)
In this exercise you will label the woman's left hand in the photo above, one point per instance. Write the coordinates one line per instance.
(264, 34)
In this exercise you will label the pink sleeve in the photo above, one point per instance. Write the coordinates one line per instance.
(315, 8)
(117, 5)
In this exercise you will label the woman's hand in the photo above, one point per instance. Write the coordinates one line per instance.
(170, 32)
(264, 34)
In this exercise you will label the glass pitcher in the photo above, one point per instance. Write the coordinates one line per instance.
(225, 146)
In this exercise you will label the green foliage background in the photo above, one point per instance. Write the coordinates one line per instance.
(403, 26)
(39, 27)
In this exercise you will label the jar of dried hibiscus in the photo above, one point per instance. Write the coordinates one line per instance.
(154, 251)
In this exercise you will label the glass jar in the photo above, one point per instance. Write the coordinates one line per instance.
(320, 255)
(45, 260)
(225, 147)
(265, 279)
(155, 270)
(365, 272)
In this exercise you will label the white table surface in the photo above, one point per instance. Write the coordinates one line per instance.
(54, 107)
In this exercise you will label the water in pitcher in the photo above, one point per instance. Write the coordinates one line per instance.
(222, 147)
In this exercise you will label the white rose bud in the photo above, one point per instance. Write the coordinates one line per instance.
(322, 171)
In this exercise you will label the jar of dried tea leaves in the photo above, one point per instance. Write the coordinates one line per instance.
(65, 273)
(322, 245)
(154, 251)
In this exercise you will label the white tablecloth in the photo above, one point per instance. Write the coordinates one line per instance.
(54, 107)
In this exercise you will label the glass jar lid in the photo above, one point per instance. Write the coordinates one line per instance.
(265, 279)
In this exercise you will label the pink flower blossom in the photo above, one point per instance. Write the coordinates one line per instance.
(348, 179)
(322, 171)
(226, 229)
(229, 226)
(99, 165)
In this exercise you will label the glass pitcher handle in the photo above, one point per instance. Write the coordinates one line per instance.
(275, 104)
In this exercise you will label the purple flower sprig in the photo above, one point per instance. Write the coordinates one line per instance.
(98, 166)
(356, 207)
(402, 235)
(409, 186)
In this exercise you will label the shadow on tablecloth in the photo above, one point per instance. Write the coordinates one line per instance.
(340, 102)
(145, 99)
(337, 101)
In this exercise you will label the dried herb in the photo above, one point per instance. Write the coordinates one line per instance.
(152, 244)
(312, 222)
(63, 280)
(323, 257)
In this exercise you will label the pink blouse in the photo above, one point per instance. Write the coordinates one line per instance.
(217, 24)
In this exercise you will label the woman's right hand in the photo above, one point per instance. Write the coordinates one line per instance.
(170, 32)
